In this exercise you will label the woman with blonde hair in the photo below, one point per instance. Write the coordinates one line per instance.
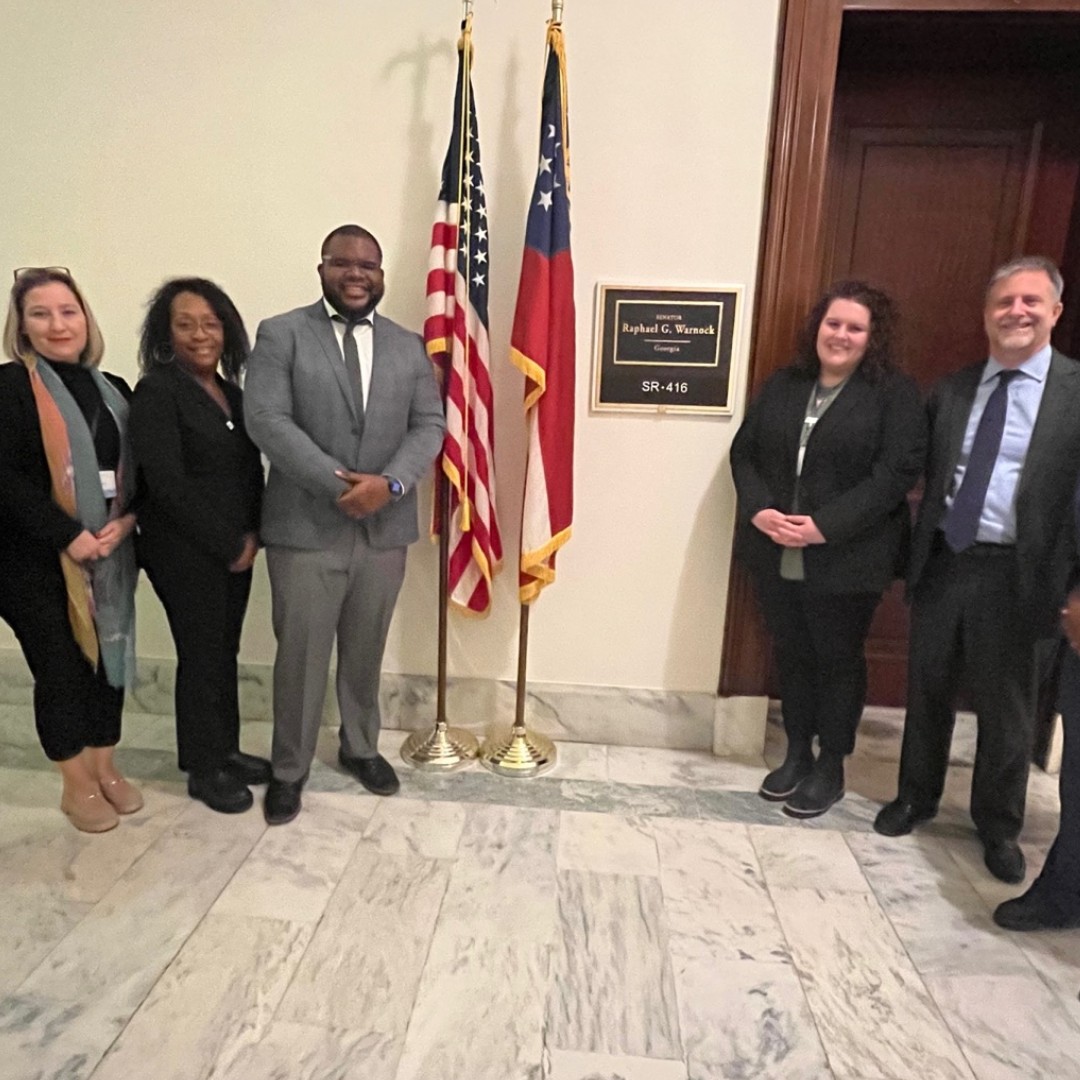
(67, 561)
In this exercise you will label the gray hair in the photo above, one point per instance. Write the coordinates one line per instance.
(1034, 263)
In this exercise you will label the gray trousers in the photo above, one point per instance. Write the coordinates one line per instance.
(347, 593)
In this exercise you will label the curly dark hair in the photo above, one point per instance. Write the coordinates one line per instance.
(880, 356)
(155, 338)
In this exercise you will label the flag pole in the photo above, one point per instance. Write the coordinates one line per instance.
(443, 748)
(521, 753)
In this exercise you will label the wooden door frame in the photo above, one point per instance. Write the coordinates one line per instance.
(792, 244)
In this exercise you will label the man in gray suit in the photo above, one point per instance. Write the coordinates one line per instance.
(345, 405)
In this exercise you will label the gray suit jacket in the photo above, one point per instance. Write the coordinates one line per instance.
(1045, 545)
(299, 411)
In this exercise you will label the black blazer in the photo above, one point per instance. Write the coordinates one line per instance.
(1045, 531)
(200, 475)
(862, 458)
(32, 524)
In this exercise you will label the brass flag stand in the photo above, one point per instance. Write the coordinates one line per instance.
(520, 753)
(446, 749)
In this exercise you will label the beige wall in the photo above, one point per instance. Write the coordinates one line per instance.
(226, 137)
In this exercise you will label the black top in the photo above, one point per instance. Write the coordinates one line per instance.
(200, 476)
(864, 455)
(31, 524)
(81, 386)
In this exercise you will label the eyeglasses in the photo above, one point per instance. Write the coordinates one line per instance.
(24, 270)
(349, 264)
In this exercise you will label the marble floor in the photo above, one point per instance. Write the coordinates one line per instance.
(636, 914)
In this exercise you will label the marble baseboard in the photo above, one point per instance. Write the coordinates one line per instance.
(610, 715)
(739, 725)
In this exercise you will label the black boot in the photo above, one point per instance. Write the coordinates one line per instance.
(820, 790)
(782, 782)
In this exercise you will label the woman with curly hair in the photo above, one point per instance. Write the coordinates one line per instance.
(201, 483)
(822, 463)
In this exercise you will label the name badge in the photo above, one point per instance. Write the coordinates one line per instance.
(108, 483)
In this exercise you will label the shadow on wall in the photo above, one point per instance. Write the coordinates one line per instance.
(509, 192)
(697, 617)
(422, 174)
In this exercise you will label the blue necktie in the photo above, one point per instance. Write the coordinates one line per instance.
(962, 521)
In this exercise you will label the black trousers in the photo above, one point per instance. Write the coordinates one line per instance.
(205, 606)
(968, 630)
(74, 706)
(1059, 881)
(818, 642)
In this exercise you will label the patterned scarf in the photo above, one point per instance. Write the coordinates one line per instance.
(101, 595)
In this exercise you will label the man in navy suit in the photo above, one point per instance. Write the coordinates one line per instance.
(991, 556)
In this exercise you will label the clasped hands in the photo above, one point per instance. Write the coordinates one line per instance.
(89, 547)
(788, 530)
(366, 493)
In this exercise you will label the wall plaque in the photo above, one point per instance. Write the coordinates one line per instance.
(661, 349)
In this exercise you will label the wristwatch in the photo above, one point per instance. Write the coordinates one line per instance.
(395, 486)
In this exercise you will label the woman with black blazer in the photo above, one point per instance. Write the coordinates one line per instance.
(201, 482)
(822, 463)
(67, 561)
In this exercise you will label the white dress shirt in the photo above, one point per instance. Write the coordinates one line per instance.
(363, 335)
(997, 524)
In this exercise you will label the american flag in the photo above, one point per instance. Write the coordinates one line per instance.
(542, 341)
(456, 336)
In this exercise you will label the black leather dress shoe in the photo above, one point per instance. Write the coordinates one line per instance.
(1035, 911)
(249, 769)
(1005, 861)
(900, 817)
(282, 802)
(221, 791)
(782, 782)
(376, 774)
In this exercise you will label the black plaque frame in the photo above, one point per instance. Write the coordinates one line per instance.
(665, 348)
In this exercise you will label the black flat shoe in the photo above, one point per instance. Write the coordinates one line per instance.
(1035, 911)
(282, 802)
(248, 769)
(376, 774)
(900, 817)
(221, 791)
(1005, 861)
(781, 783)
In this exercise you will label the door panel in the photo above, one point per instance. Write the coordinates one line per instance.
(926, 213)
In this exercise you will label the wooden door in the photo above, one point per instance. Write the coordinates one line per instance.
(953, 145)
